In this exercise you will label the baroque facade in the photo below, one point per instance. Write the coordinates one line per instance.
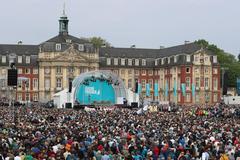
(51, 65)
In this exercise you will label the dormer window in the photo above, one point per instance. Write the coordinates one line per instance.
(169, 59)
(58, 47)
(163, 60)
(175, 59)
(188, 58)
(136, 62)
(144, 62)
(115, 61)
(19, 59)
(81, 47)
(129, 62)
(122, 61)
(68, 40)
(108, 61)
(214, 59)
(28, 59)
(156, 62)
(4, 59)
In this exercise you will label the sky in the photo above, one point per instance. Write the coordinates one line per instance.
(144, 23)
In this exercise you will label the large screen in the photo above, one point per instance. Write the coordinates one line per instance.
(95, 92)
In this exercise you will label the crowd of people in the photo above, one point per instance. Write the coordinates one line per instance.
(120, 134)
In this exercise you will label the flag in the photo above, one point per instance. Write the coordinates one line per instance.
(193, 90)
(183, 89)
(166, 89)
(156, 89)
(139, 91)
(147, 89)
(175, 89)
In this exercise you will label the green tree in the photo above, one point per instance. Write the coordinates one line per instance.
(99, 42)
(225, 59)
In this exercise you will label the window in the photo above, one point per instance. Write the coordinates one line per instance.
(175, 59)
(35, 71)
(28, 59)
(35, 97)
(150, 81)
(215, 97)
(129, 72)
(162, 60)
(19, 59)
(59, 83)
(4, 59)
(188, 97)
(129, 62)
(197, 82)
(215, 84)
(27, 70)
(143, 83)
(68, 40)
(215, 70)
(129, 83)
(150, 72)
(196, 58)
(71, 69)
(81, 47)
(122, 71)
(206, 82)
(58, 70)
(122, 61)
(188, 82)
(136, 62)
(27, 84)
(206, 70)
(58, 47)
(143, 72)
(206, 59)
(187, 70)
(214, 59)
(115, 71)
(197, 97)
(19, 70)
(115, 61)
(35, 83)
(47, 70)
(136, 72)
(188, 58)
(4, 71)
(19, 97)
(196, 70)
(47, 83)
(169, 59)
(156, 62)
(144, 62)
(108, 61)
(19, 84)
(27, 97)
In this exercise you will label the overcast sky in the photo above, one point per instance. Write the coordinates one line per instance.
(145, 23)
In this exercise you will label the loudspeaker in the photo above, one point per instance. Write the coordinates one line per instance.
(68, 105)
(134, 105)
(12, 77)
(70, 87)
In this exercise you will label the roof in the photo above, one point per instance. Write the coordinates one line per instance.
(61, 38)
(149, 53)
(18, 49)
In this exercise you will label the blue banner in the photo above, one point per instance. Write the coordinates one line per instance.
(147, 89)
(156, 89)
(139, 88)
(184, 89)
(238, 86)
(193, 90)
(166, 89)
(175, 89)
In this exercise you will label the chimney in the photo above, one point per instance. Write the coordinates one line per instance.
(162, 47)
(133, 46)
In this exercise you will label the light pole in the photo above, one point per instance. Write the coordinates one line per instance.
(223, 72)
(25, 80)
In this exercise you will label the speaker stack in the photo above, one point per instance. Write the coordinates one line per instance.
(12, 77)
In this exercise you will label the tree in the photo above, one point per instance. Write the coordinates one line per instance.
(225, 59)
(99, 42)
(239, 57)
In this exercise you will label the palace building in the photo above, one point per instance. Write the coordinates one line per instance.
(51, 65)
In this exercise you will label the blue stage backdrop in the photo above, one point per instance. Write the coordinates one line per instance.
(96, 91)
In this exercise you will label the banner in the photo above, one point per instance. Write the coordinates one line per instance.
(147, 89)
(175, 89)
(166, 89)
(193, 90)
(156, 89)
(139, 88)
(184, 89)
(238, 86)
